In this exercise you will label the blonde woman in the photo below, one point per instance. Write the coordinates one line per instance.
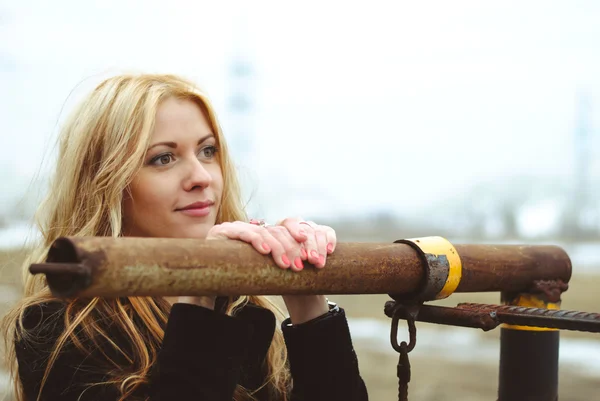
(143, 155)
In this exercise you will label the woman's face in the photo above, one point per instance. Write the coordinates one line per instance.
(177, 192)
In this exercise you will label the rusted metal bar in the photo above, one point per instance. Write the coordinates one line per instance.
(488, 317)
(168, 267)
(462, 317)
(540, 317)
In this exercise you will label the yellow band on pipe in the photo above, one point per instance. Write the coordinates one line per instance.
(439, 246)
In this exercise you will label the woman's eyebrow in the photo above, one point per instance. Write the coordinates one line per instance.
(174, 145)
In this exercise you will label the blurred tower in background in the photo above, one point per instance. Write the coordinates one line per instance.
(240, 109)
(581, 215)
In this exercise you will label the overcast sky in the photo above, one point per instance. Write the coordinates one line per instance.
(357, 107)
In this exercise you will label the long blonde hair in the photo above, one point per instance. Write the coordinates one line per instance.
(101, 147)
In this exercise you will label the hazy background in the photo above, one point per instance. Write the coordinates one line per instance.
(475, 120)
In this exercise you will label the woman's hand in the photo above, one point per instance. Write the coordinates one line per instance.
(276, 240)
(291, 242)
(318, 242)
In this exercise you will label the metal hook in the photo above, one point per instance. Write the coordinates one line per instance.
(412, 312)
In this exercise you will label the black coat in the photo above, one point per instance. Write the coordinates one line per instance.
(204, 355)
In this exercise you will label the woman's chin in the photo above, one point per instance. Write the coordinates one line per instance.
(198, 232)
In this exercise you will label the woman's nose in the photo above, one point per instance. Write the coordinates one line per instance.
(197, 175)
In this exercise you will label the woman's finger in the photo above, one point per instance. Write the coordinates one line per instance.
(257, 236)
(274, 245)
(254, 237)
(310, 244)
(297, 231)
(278, 249)
(292, 248)
(331, 239)
(321, 240)
(244, 232)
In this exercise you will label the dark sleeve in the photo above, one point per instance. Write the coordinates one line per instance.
(201, 356)
(200, 359)
(323, 363)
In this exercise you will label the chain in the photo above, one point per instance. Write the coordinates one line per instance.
(403, 369)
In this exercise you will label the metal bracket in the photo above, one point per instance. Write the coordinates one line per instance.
(442, 265)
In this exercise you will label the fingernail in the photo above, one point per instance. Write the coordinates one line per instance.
(321, 260)
(329, 247)
(303, 253)
(298, 263)
(285, 260)
(314, 254)
(266, 247)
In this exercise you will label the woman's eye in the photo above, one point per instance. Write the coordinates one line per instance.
(208, 152)
(162, 160)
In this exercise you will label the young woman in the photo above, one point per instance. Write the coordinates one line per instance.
(143, 155)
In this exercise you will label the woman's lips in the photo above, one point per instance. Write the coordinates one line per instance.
(196, 211)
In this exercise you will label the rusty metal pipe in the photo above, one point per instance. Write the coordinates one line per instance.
(491, 268)
(112, 267)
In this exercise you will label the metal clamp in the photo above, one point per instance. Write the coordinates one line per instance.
(443, 268)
